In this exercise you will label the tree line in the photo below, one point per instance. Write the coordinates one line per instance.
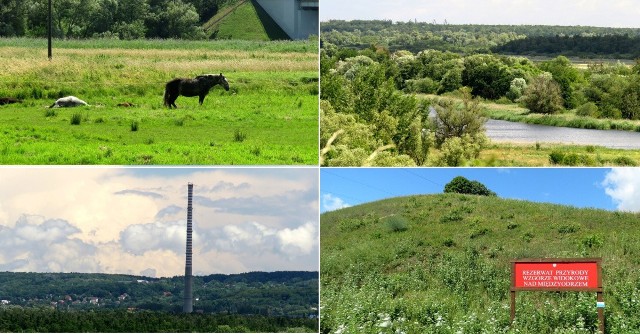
(472, 38)
(16, 319)
(288, 294)
(613, 46)
(123, 19)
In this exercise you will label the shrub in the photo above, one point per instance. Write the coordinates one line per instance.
(593, 241)
(455, 119)
(134, 126)
(396, 223)
(239, 136)
(424, 86)
(76, 118)
(527, 237)
(518, 85)
(625, 161)
(568, 228)
(543, 95)
(588, 109)
(452, 216)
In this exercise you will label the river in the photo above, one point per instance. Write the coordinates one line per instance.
(504, 131)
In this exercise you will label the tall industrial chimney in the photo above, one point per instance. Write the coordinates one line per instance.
(188, 278)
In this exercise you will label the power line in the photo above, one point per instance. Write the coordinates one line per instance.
(406, 170)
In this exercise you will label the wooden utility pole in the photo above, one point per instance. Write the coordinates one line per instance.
(49, 31)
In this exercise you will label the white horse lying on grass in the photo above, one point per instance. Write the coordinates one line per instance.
(68, 101)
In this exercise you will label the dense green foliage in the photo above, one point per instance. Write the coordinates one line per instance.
(542, 95)
(584, 46)
(16, 319)
(448, 271)
(366, 120)
(286, 294)
(273, 100)
(580, 41)
(124, 19)
(462, 185)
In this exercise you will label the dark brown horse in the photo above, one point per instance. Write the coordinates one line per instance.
(199, 86)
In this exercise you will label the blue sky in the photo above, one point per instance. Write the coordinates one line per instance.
(613, 13)
(602, 188)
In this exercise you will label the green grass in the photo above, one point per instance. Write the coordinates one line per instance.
(245, 21)
(272, 101)
(453, 275)
(548, 155)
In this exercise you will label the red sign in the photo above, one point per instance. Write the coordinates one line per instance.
(556, 274)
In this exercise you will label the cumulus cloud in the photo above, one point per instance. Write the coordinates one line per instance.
(623, 186)
(49, 245)
(253, 237)
(331, 203)
(140, 238)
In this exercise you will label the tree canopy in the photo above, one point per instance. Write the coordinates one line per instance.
(462, 185)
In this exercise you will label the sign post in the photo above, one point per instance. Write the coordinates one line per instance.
(558, 275)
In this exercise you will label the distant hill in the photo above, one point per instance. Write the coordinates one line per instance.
(441, 264)
(243, 19)
(287, 293)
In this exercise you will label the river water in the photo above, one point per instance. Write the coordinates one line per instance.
(504, 131)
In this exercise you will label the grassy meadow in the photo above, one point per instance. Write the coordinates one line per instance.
(440, 264)
(269, 115)
(549, 155)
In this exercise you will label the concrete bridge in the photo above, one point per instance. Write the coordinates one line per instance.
(298, 18)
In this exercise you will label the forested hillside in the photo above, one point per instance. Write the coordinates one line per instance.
(288, 294)
(602, 42)
(124, 19)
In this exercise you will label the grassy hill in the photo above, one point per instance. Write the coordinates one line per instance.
(440, 264)
(243, 19)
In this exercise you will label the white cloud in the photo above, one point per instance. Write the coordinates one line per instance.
(331, 203)
(132, 220)
(623, 186)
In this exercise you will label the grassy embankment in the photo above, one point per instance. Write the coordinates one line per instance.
(440, 264)
(269, 116)
(244, 20)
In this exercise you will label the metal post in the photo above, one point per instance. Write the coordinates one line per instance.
(49, 31)
(601, 313)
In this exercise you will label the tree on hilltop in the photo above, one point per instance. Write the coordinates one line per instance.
(462, 185)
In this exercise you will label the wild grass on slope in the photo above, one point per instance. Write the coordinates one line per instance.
(448, 271)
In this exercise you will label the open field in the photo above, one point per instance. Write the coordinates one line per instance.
(548, 155)
(441, 264)
(269, 116)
